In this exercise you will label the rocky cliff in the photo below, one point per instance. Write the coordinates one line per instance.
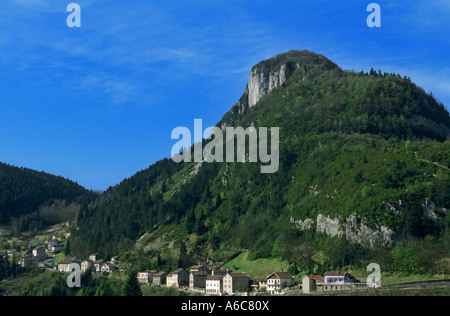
(263, 81)
(353, 229)
(356, 231)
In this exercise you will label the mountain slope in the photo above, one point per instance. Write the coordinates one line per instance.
(363, 162)
(23, 191)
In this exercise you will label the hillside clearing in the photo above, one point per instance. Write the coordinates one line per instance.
(257, 269)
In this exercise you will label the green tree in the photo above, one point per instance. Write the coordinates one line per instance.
(132, 287)
(408, 145)
(114, 291)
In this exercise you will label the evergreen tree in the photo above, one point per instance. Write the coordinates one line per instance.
(3, 269)
(132, 287)
(114, 291)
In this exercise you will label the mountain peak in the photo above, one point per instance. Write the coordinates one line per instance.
(294, 57)
(309, 83)
(272, 73)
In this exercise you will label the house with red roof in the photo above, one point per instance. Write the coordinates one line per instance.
(311, 283)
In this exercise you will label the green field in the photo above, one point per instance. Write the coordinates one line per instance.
(257, 269)
(393, 278)
(59, 257)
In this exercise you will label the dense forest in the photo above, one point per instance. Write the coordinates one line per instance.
(351, 143)
(30, 198)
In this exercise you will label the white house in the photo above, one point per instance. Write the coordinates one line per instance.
(64, 265)
(107, 267)
(214, 285)
(145, 277)
(86, 265)
(337, 278)
(278, 281)
(169, 280)
(98, 265)
(95, 257)
(179, 277)
(337, 281)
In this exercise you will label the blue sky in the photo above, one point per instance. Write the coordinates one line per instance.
(98, 103)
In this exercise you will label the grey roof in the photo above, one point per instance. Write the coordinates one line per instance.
(280, 275)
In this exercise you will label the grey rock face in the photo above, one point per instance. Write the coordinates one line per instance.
(354, 232)
(264, 81)
(363, 235)
(433, 212)
(328, 226)
(302, 225)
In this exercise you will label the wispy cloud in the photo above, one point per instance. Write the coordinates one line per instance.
(121, 43)
(127, 38)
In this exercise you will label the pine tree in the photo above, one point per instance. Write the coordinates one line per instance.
(114, 290)
(132, 287)
(218, 200)
(3, 270)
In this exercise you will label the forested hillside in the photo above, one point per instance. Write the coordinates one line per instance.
(368, 151)
(24, 191)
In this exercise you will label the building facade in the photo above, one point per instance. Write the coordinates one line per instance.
(180, 277)
(145, 277)
(214, 285)
(159, 278)
(235, 282)
(278, 281)
(197, 280)
(86, 265)
(311, 283)
(39, 253)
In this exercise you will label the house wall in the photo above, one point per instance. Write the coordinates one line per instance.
(197, 282)
(183, 277)
(159, 280)
(274, 284)
(213, 287)
(336, 280)
(86, 265)
(39, 253)
(228, 284)
(233, 285)
(308, 285)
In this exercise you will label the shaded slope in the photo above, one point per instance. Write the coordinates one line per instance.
(23, 191)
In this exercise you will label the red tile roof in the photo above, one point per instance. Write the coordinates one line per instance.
(199, 273)
(215, 277)
(239, 275)
(314, 277)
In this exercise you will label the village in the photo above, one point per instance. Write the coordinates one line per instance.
(202, 278)
(206, 281)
